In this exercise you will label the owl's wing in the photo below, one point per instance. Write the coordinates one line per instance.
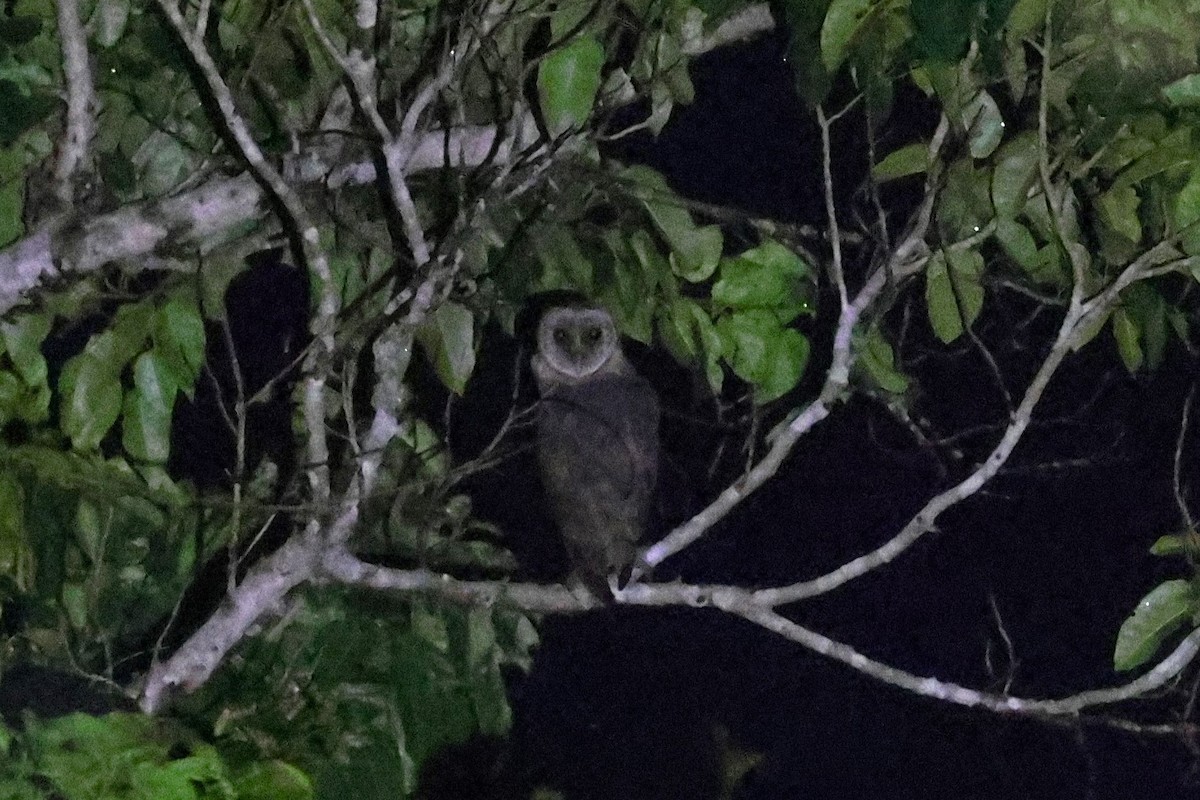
(598, 451)
(639, 434)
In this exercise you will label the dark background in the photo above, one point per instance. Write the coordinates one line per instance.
(623, 703)
(627, 704)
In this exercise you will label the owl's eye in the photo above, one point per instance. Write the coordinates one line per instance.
(560, 335)
(593, 335)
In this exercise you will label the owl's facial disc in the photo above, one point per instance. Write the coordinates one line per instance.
(583, 339)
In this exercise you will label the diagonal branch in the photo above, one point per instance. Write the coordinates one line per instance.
(906, 260)
(1162, 673)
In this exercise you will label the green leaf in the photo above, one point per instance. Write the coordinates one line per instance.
(943, 26)
(1026, 17)
(90, 530)
(1017, 242)
(1166, 609)
(218, 273)
(769, 277)
(22, 111)
(1126, 332)
(911, 159)
(162, 162)
(1172, 544)
(984, 123)
(272, 780)
(486, 685)
(563, 262)
(1118, 209)
(636, 270)
(690, 336)
(1148, 311)
(1187, 212)
(16, 551)
(842, 22)
(878, 360)
(568, 15)
(677, 329)
(12, 392)
(108, 21)
(1090, 328)
(430, 688)
(19, 30)
(953, 291)
(965, 203)
(116, 347)
(1016, 71)
(23, 341)
(424, 442)
(695, 250)
(1015, 172)
(448, 337)
(91, 400)
(74, 600)
(285, 63)
(179, 339)
(763, 353)
(568, 79)
(1179, 323)
(805, 18)
(12, 208)
(146, 427)
(787, 356)
(1183, 93)
(1166, 155)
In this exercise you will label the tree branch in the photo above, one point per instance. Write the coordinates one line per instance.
(906, 260)
(200, 218)
(342, 566)
(74, 165)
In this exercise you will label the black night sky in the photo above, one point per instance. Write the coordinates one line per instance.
(622, 703)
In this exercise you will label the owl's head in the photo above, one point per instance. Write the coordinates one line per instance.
(577, 342)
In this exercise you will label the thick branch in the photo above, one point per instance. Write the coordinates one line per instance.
(262, 590)
(344, 567)
(74, 151)
(744, 25)
(200, 219)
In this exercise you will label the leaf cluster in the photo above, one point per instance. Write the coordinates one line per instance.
(361, 690)
(133, 757)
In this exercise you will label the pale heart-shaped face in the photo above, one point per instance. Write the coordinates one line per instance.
(577, 342)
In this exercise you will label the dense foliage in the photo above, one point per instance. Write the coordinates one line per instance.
(429, 167)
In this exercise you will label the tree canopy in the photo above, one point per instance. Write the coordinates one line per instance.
(385, 187)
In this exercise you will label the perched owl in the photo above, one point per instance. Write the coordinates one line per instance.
(597, 441)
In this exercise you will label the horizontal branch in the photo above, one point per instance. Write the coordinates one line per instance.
(344, 567)
(198, 220)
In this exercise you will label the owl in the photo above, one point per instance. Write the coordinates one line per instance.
(597, 442)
